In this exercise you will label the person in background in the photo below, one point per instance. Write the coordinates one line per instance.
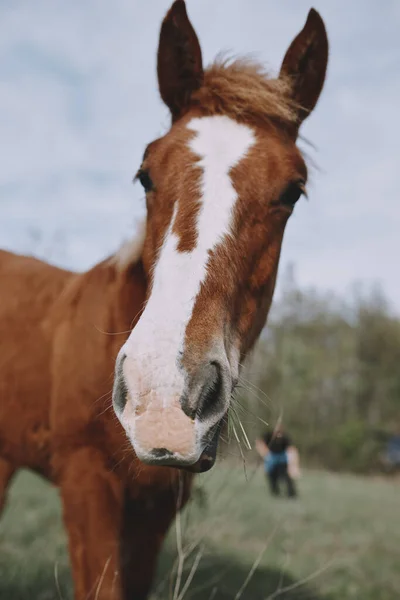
(281, 460)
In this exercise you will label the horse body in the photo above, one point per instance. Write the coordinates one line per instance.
(56, 417)
(29, 289)
(173, 318)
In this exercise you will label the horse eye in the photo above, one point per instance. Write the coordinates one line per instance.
(292, 193)
(145, 180)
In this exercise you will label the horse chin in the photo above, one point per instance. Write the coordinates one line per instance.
(205, 463)
(208, 456)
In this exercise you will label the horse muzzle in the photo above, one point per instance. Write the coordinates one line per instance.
(178, 429)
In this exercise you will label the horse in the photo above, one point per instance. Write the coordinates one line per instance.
(165, 322)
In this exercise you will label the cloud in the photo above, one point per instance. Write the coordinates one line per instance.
(78, 104)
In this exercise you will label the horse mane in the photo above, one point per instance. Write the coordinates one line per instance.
(242, 89)
(130, 251)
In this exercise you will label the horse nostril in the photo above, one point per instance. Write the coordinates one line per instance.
(120, 391)
(211, 392)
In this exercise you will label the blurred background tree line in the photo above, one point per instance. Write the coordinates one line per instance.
(329, 368)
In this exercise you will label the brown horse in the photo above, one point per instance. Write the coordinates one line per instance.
(220, 186)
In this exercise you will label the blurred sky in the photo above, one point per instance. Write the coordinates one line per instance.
(78, 103)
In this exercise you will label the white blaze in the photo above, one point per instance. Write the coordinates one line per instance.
(158, 338)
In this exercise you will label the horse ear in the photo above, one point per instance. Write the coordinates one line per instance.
(305, 64)
(179, 61)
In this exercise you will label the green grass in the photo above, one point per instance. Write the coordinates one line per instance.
(340, 540)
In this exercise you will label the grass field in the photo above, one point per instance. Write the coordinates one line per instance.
(340, 540)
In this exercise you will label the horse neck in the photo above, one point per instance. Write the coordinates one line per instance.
(118, 296)
(99, 308)
(104, 305)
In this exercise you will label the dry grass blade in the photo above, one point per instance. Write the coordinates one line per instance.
(246, 410)
(191, 574)
(213, 593)
(256, 563)
(283, 569)
(57, 581)
(178, 529)
(297, 584)
(246, 439)
(255, 389)
(240, 450)
(102, 578)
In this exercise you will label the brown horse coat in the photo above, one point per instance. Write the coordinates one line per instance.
(60, 333)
